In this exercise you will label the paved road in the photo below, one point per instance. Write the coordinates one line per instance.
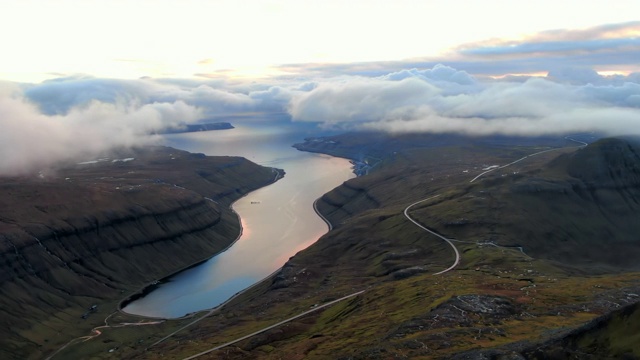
(511, 163)
(406, 214)
(450, 241)
(457, 253)
(96, 332)
(582, 144)
(273, 326)
(315, 208)
(215, 309)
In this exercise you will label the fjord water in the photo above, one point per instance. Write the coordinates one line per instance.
(277, 220)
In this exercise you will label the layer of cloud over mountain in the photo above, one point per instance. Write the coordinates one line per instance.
(31, 140)
(417, 103)
(78, 117)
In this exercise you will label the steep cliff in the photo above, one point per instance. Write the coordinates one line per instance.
(91, 233)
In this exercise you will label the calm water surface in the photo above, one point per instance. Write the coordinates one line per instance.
(279, 222)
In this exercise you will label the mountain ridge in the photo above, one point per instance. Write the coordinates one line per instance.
(88, 234)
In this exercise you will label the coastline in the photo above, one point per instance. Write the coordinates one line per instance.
(149, 287)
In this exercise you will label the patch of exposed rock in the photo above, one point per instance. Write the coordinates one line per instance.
(462, 310)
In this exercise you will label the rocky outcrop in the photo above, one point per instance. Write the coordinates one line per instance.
(610, 336)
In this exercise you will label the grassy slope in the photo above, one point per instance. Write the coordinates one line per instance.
(91, 234)
(406, 312)
(579, 210)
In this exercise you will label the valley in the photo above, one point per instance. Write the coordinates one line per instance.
(431, 259)
(78, 239)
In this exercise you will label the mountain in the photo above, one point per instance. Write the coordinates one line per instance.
(76, 240)
(579, 209)
(608, 163)
(528, 219)
(534, 262)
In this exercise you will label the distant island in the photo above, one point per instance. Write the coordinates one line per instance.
(196, 127)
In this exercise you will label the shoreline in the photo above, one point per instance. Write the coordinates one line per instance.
(149, 287)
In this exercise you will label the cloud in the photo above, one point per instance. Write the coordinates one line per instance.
(438, 74)
(273, 99)
(625, 94)
(31, 140)
(606, 47)
(553, 47)
(608, 37)
(358, 100)
(78, 117)
(417, 103)
(566, 122)
(59, 96)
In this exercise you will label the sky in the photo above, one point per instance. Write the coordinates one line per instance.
(79, 77)
(170, 38)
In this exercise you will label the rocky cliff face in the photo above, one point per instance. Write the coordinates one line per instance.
(90, 234)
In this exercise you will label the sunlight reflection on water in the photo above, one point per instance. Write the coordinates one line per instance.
(279, 223)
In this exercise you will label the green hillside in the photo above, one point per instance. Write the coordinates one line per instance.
(77, 239)
(547, 245)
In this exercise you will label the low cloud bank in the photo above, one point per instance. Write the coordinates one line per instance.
(411, 101)
(75, 118)
(31, 140)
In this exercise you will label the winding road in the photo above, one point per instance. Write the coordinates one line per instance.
(96, 331)
(582, 144)
(406, 214)
(455, 249)
(450, 241)
(315, 208)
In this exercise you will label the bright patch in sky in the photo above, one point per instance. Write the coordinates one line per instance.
(131, 39)
(78, 78)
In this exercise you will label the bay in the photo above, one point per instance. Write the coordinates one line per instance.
(277, 220)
